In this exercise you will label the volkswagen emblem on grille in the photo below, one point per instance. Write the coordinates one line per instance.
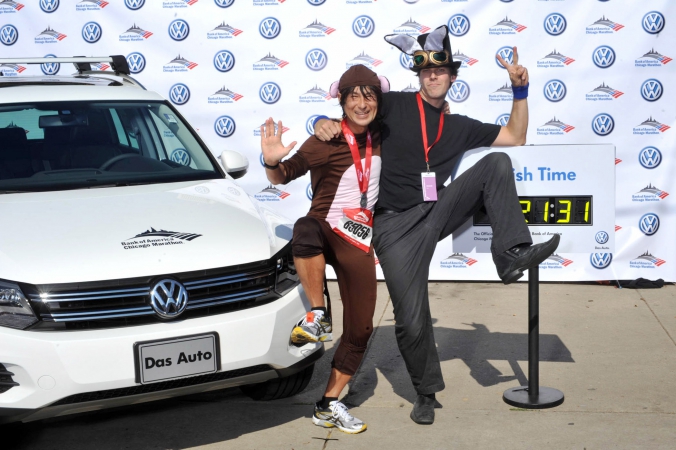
(168, 298)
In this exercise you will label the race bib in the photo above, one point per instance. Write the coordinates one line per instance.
(356, 227)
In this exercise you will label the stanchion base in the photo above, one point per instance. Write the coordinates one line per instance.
(519, 397)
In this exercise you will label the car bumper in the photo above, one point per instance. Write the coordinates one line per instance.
(61, 373)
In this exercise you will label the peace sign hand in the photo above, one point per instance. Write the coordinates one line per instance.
(518, 74)
(271, 143)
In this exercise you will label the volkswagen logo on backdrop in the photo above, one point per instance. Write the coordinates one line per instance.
(603, 124)
(224, 61)
(181, 157)
(555, 24)
(168, 298)
(603, 57)
(179, 29)
(316, 2)
(363, 26)
(224, 126)
(316, 59)
(458, 25)
(459, 91)
(134, 4)
(651, 90)
(308, 125)
(50, 68)
(405, 60)
(555, 90)
(653, 22)
(507, 54)
(270, 28)
(9, 35)
(136, 62)
(650, 157)
(601, 237)
(224, 3)
(502, 120)
(649, 224)
(270, 93)
(91, 32)
(179, 94)
(49, 6)
(601, 260)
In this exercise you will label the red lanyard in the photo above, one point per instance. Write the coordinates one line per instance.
(423, 125)
(363, 175)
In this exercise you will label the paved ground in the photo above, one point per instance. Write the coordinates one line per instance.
(611, 351)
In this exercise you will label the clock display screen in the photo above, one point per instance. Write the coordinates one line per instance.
(560, 210)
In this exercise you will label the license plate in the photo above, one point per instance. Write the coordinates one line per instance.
(167, 359)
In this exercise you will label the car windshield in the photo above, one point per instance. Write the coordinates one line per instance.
(74, 145)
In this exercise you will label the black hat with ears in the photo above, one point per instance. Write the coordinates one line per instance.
(435, 41)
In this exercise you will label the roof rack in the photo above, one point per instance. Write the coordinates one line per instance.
(83, 64)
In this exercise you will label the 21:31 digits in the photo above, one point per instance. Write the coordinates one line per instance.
(569, 210)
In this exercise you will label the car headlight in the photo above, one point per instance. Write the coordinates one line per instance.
(15, 311)
(285, 271)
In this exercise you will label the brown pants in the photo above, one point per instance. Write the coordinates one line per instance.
(356, 273)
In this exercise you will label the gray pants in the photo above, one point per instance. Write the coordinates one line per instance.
(405, 242)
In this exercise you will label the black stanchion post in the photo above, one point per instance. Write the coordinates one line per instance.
(533, 396)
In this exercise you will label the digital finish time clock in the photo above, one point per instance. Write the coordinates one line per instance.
(564, 189)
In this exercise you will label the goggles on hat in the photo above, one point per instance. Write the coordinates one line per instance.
(422, 58)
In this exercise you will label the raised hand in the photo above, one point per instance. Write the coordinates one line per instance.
(271, 142)
(518, 74)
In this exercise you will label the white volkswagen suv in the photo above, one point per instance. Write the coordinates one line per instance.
(132, 266)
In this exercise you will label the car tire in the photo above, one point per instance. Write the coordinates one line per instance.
(280, 387)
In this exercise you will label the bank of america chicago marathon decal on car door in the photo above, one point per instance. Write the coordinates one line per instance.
(457, 261)
(271, 194)
(155, 238)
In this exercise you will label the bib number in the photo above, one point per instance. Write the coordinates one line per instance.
(356, 227)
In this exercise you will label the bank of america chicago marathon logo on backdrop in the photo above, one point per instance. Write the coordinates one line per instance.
(604, 26)
(268, 2)
(554, 127)
(315, 95)
(50, 68)
(223, 31)
(179, 94)
(600, 260)
(316, 59)
(411, 28)
(410, 88)
(11, 70)
(270, 28)
(315, 29)
(555, 90)
(90, 5)
(271, 194)
(458, 25)
(650, 126)
(135, 34)
(555, 262)
(459, 91)
(652, 59)
(649, 193)
(603, 124)
(506, 26)
(365, 60)
(503, 94)
(603, 56)
(650, 157)
(225, 126)
(649, 224)
(603, 92)
(224, 96)
(10, 7)
(49, 36)
(269, 62)
(553, 60)
(358, 2)
(646, 261)
(555, 24)
(49, 6)
(136, 62)
(653, 22)
(457, 261)
(224, 61)
(257, 133)
(466, 61)
(179, 64)
(173, 4)
(651, 90)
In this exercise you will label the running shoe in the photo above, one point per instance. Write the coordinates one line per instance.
(312, 328)
(336, 415)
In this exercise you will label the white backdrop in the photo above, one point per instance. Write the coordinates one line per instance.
(601, 73)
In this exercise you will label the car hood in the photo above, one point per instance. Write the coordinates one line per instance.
(125, 232)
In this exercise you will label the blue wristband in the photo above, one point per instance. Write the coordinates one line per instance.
(317, 119)
(520, 92)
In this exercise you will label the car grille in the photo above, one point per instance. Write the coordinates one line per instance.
(127, 302)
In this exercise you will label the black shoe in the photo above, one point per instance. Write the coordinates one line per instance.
(513, 262)
(423, 410)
